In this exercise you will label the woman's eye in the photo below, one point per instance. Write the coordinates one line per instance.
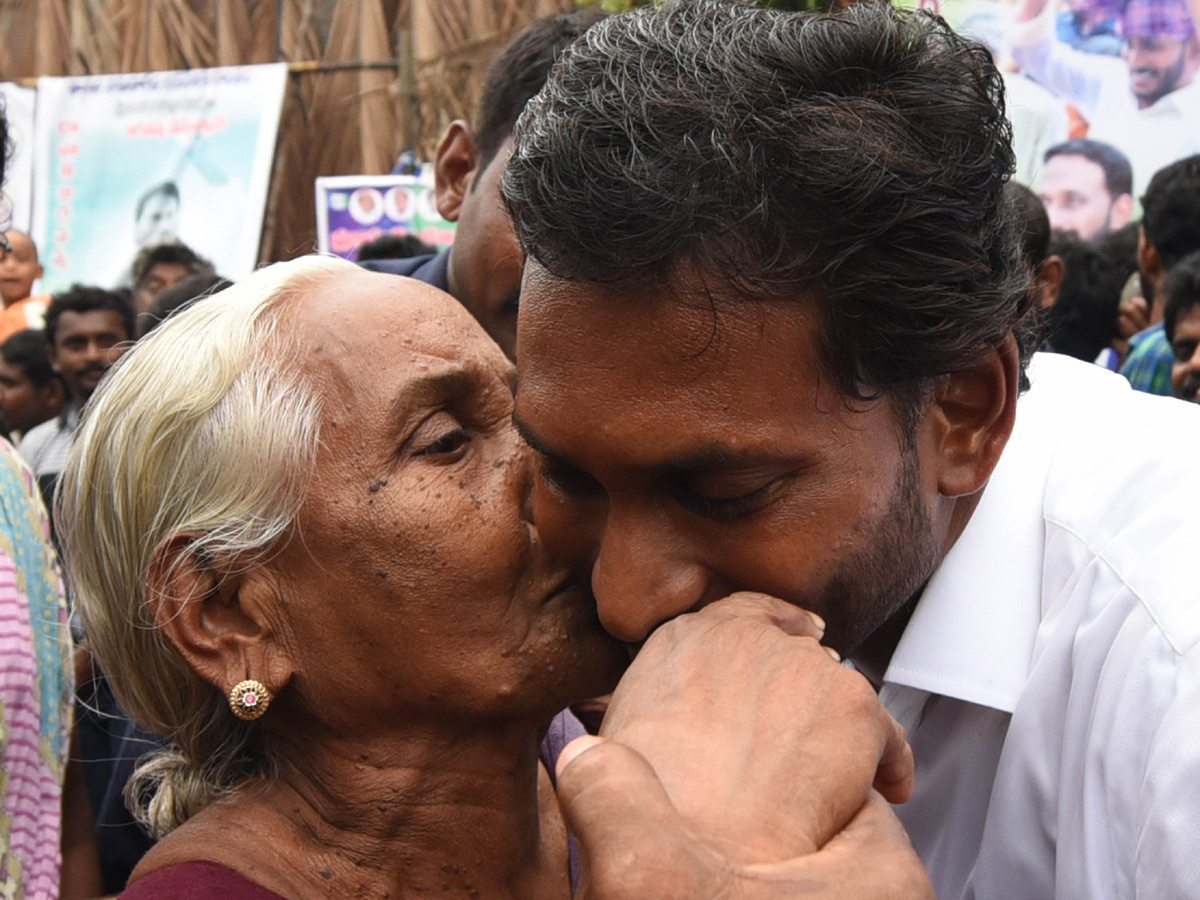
(447, 443)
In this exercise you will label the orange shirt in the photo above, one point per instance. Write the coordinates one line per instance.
(27, 313)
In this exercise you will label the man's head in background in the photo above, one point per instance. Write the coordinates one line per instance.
(1160, 48)
(158, 267)
(393, 246)
(486, 261)
(156, 216)
(1170, 226)
(770, 314)
(19, 267)
(1084, 320)
(1033, 231)
(178, 297)
(31, 392)
(1181, 322)
(1087, 188)
(87, 330)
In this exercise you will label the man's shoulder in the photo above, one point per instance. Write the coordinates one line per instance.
(431, 268)
(1120, 482)
(39, 439)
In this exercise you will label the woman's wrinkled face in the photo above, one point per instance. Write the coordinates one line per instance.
(417, 584)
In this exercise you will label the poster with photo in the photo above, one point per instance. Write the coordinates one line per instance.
(128, 161)
(1121, 73)
(355, 209)
(18, 170)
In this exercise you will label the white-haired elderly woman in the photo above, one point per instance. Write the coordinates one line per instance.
(295, 523)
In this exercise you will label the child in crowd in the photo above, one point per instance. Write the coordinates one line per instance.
(19, 269)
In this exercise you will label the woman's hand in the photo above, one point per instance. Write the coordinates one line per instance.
(737, 750)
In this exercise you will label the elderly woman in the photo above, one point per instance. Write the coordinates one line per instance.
(294, 519)
(309, 568)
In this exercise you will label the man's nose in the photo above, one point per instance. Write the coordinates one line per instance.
(642, 578)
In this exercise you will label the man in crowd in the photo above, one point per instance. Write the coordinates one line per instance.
(160, 266)
(1170, 231)
(773, 331)
(31, 392)
(87, 330)
(483, 268)
(1087, 188)
(1181, 323)
(1146, 104)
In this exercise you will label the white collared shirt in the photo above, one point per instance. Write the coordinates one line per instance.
(1049, 677)
(1098, 86)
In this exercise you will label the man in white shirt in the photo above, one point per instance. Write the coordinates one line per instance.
(1146, 104)
(772, 337)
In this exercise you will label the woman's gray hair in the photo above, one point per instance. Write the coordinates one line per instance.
(206, 429)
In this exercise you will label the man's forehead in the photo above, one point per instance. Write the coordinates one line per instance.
(685, 330)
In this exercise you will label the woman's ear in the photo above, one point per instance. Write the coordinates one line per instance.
(224, 620)
(972, 416)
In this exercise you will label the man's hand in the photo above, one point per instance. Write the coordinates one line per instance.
(737, 759)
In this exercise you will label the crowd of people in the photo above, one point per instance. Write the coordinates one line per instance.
(764, 496)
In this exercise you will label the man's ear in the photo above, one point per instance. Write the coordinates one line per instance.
(1049, 278)
(971, 416)
(52, 356)
(454, 167)
(1122, 211)
(222, 619)
(1153, 272)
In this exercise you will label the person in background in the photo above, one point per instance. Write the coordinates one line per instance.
(1087, 188)
(38, 808)
(394, 246)
(1170, 231)
(180, 296)
(19, 269)
(482, 270)
(1181, 324)
(158, 267)
(87, 330)
(31, 392)
(1083, 323)
(1033, 225)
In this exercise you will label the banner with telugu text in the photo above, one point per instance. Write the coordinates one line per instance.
(127, 161)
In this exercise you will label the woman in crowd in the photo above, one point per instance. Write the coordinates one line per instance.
(330, 599)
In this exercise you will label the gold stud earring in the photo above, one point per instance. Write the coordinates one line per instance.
(249, 699)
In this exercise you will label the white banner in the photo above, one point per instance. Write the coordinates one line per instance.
(128, 161)
(18, 171)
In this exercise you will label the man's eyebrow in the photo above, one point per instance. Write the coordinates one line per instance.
(709, 456)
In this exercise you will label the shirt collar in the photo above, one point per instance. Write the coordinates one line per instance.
(972, 633)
